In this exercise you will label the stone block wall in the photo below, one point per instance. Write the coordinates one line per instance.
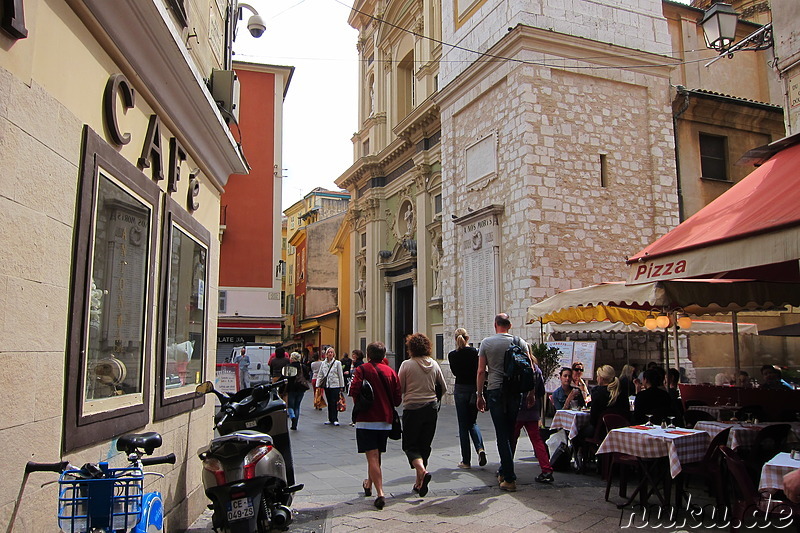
(561, 229)
(634, 24)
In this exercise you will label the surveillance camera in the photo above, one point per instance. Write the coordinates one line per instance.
(256, 26)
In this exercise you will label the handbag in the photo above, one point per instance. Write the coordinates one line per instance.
(397, 428)
(341, 405)
(319, 398)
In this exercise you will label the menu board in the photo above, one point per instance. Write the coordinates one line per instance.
(573, 352)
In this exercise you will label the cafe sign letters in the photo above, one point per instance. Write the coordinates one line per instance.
(118, 88)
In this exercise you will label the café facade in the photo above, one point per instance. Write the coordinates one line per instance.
(113, 158)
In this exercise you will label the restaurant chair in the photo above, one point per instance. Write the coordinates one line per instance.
(769, 441)
(589, 448)
(623, 460)
(751, 506)
(691, 418)
(709, 467)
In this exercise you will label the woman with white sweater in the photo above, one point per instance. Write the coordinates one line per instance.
(419, 375)
(331, 378)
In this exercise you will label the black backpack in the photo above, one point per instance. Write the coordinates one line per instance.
(519, 375)
(365, 398)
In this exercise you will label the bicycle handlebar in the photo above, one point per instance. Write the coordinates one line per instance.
(164, 459)
(32, 466)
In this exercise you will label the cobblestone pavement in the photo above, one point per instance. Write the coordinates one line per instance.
(459, 500)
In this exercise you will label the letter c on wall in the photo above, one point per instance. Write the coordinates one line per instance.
(117, 84)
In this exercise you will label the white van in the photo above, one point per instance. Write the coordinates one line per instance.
(259, 362)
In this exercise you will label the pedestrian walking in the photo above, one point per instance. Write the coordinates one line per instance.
(530, 411)
(331, 380)
(243, 360)
(464, 366)
(374, 423)
(419, 375)
(503, 405)
(296, 386)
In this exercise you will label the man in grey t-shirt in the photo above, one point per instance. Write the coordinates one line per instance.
(503, 405)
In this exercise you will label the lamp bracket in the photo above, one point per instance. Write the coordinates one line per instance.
(761, 39)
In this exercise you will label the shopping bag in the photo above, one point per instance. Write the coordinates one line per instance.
(341, 405)
(319, 398)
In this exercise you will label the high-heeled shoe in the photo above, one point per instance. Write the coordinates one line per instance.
(423, 489)
(367, 489)
(380, 502)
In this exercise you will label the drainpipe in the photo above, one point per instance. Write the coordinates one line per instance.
(682, 91)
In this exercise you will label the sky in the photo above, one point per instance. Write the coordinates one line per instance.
(320, 109)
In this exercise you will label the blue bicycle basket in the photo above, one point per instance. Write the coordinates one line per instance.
(111, 502)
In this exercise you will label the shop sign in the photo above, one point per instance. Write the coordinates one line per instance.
(118, 88)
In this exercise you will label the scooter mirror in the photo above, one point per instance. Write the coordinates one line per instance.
(205, 388)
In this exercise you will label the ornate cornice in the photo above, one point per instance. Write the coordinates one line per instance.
(422, 121)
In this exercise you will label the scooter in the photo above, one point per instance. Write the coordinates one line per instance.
(248, 472)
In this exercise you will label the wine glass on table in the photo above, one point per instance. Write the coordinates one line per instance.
(671, 422)
(649, 421)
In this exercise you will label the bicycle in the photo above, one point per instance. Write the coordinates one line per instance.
(97, 498)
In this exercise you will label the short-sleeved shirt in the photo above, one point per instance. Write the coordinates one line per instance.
(494, 349)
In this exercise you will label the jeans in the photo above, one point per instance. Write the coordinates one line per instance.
(467, 413)
(504, 408)
(295, 399)
(332, 397)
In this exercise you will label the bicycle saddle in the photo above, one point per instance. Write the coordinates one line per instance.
(139, 441)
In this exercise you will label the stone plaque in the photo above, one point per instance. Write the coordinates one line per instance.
(478, 240)
(481, 159)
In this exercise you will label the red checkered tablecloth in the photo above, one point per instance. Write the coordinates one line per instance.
(570, 420)
(773, 471)
(742, 433)
(680, 445)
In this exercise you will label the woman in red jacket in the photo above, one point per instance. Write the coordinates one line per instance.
(373, 425)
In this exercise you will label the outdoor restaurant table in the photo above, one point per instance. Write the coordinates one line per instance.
(570, 420)
(714, 410)
(744, 433)
(653, 443)
(773, 471)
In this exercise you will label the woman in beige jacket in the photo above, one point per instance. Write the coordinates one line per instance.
(419, 375)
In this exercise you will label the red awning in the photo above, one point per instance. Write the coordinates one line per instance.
(755, 223)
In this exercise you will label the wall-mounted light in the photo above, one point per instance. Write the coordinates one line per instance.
(719, 28)
(650, 322)
(662, 320)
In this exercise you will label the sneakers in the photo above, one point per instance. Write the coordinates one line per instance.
(481, 458)
(509, 486)
(327, 423)
(336, 423)
(545, 478)
(464, 465)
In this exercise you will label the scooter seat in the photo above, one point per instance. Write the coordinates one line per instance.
(139, 441)
(229, 444)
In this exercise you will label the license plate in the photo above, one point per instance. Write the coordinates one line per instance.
(240, 509)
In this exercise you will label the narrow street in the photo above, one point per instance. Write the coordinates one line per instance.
(459, 500)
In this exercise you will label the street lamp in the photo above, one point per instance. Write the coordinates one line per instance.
(719, 28)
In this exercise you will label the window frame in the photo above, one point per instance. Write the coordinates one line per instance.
(169, 406)
(85, 429)
(705, 156)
